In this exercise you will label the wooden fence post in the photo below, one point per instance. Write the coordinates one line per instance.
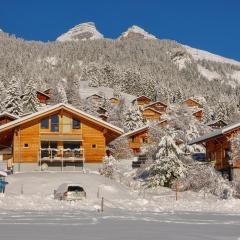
(102, 204)
(177, 189)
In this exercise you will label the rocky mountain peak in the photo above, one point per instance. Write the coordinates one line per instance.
(81, 32)
(136, 32)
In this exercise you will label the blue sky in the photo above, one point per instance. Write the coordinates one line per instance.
(212, 25)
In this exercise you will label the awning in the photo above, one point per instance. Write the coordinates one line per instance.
(61, 138)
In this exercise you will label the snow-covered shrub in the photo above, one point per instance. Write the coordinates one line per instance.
(165, 171)
(203, 177)
(108, 166)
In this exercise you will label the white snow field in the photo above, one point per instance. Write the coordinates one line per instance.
(28, 211)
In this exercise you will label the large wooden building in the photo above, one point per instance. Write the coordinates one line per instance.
(219, 149)
(58, 134)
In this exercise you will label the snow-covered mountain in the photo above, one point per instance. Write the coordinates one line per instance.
(136, 32)
(83, 31)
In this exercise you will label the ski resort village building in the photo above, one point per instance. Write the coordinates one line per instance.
(141, 101)
(220, 149)
(60, 134)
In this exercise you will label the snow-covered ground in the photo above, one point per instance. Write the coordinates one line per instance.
(28, 210)
(38, 190)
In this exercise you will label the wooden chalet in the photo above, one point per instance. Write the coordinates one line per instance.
(60, 134)
(216, 124)
(159, 106)
(114, 101)
(141, 101)
(218, 149)
(6, 117)
(43, 98)
(95, 98)
(198, 114)
(138, 137)
(192, 103)
(151, 114)
(48, 91)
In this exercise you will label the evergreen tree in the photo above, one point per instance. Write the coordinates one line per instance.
(133, 118)
(30, 100)
(13, 102)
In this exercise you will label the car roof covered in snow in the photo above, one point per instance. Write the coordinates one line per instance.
(63, 187)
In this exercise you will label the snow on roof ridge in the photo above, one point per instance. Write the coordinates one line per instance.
(156, 102)
(215, 121)
(135, 131)
(19, 120)
(153, 109)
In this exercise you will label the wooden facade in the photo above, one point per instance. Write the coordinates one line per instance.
(198, 114)
(219, 150)
(159, 106)
(141, 101)
(151, 114)
(60, 131)
(43, 98)
(139, 137)
(192, 103)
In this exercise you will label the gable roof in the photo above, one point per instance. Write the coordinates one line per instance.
(215, 133)
(193, 101)
(142, 96)
(156, 103)
(216, 121)
(56, 107)
(114, 98)
(136, 131)
(8, 115)
(153, 109)
(43, 93)
(95, 94)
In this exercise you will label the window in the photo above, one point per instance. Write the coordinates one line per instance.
(94, 146)
(25, 145)
(76, 124)
(133, 138)
(45, 123)
(145, 140)
(55, 123)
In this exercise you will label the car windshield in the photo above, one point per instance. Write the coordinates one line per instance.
(75, 189)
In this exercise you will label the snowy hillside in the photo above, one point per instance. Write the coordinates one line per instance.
(83, 31)
(136, 32)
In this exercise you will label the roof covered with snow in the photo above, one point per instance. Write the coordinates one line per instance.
(215, 133)
(8, 115)
(57, 107)
(135, 131)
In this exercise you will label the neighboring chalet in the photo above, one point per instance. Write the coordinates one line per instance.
(198, 114)
(216, 124)
(151, 114)
(6, 117)
(142, 101)
(192, 103)
(218, 149)
(58, 135)
(138, 137)
(159, 106)
(114, 101)
(43, 98)
(96, 99)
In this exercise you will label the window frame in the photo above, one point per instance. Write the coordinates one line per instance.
(41, 126)
(76, 120)
(54, 125)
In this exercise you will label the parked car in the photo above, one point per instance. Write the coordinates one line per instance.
(137, 161)
(69, 191)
